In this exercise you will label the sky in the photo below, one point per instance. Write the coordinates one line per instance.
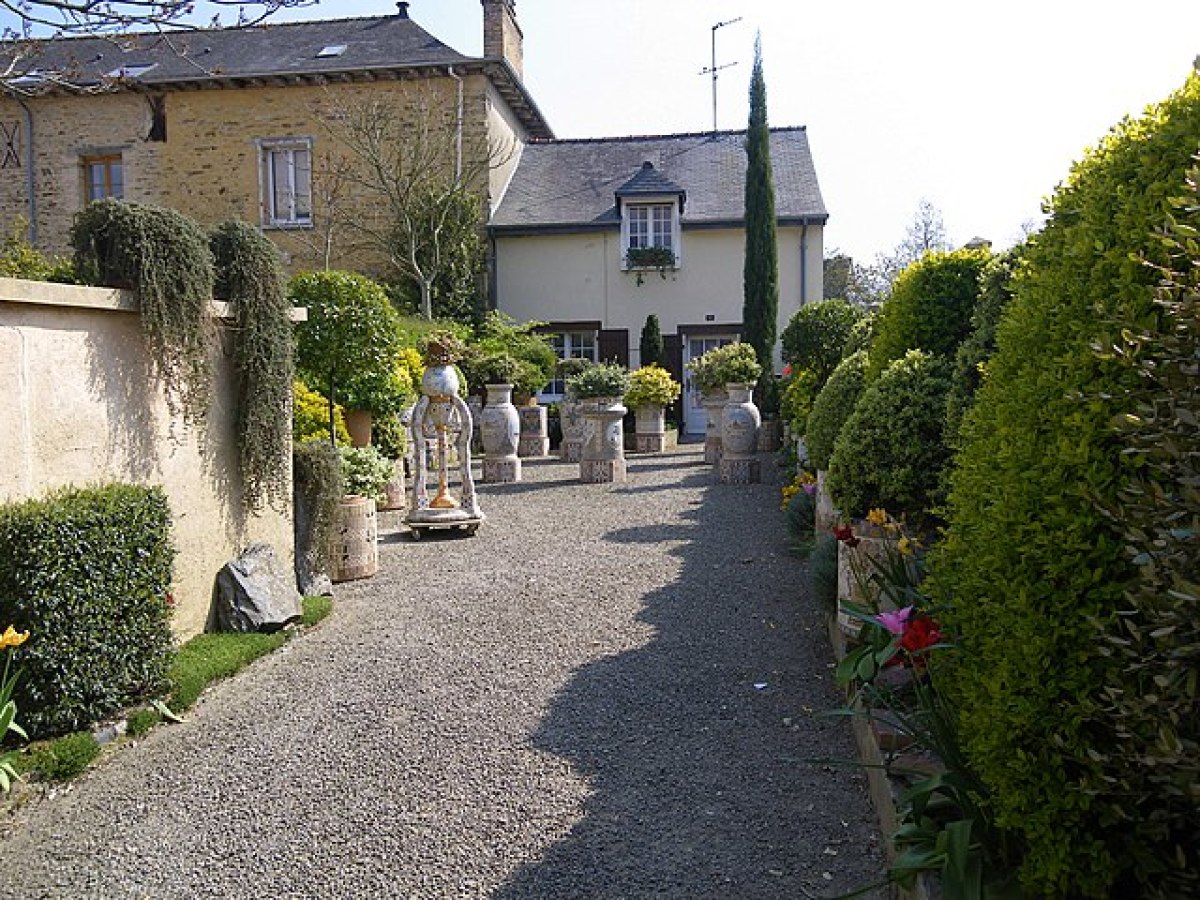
(979, 108)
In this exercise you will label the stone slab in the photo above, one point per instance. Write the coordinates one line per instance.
(739, 471)
(599, 471)
(501, 471)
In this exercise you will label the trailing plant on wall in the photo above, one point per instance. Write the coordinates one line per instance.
(164, 258)
(250, 277)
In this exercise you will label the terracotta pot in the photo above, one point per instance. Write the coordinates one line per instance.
(358, 423)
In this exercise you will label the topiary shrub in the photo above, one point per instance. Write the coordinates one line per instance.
(796, 399)
(88, 573)
(890, 451)
(929, 308)
(995, 292)
(651, 385)
(164, 257)
(1035, 569)
(604, 380)
(351, 343)
(735, 363)
(651, 351)
(861, 335)
(250, 278)
(816, 337)
(833, 406)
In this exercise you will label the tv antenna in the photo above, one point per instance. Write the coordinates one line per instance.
(714, 68)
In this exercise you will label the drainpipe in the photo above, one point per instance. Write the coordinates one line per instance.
(803, 263)
(458, 134)
(29, 172)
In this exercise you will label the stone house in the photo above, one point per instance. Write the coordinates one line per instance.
(243, 123)
(567, 235)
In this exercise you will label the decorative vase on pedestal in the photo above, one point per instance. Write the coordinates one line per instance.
(714, 404)
(740, 421)
(651, 434)
(535, 436)
(358, 423)
(571, 416)
(501, 428)
(604, 440)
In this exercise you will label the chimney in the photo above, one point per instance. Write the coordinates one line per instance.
(402, 10)
(501, 34)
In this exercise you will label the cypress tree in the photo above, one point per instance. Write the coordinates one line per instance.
(651, 345)
(760, 275)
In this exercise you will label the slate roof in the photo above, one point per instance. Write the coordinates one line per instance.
(649, 182)
(282, 53)
(570, 185)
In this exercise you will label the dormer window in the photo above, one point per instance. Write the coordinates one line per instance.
(650, 206)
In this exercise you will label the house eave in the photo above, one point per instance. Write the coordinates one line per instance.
(561, 228)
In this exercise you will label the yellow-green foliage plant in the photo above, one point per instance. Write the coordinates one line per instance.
(651, 386)
(929, 308)
(1034, 569)
(310, 416)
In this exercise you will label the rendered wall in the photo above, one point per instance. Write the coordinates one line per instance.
(82, 406)
(578, 277)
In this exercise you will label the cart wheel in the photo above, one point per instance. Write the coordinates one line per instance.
(471, 529)
(416, 534)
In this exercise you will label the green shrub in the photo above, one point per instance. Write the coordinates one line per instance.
(350, 346)
(141, 721)
(890, 451)
(319, 487)
(535, 356)
(1032, 564)
(64, 758)
(796, 399)
(651, 384)
(604, 380)
(833, 406)
(164, 257)
(250, 277)
(310, 416)
(995, 292)
(366, 472)
(862, 333)
(929, 308)
(816, 336)
(651, 351)
(735, 363)
(87, 572)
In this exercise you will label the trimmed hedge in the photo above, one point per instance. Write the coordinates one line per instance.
(816, 336)
(1034, 567)
(88, 573)
(890, 452)
(833, 407)
(929, 309)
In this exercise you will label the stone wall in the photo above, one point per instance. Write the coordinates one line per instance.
(82, 406)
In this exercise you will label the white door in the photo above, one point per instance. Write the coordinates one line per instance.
(693, 409)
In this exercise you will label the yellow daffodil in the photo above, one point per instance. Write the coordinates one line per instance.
(905, 546)
(878, 517)
(13, 638)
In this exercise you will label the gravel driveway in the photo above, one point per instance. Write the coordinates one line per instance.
(606, 693)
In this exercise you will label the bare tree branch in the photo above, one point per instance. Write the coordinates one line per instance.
(108, 16)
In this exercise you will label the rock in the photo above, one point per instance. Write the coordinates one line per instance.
(255, 593)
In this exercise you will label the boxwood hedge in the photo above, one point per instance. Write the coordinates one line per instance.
(1034, 567)
(833, 406)
(87, 572)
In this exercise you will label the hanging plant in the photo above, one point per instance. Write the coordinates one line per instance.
(640, 258)
(250, 277)
(164, 258)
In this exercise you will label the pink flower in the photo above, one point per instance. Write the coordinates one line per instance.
(895, 622)
(810, 488)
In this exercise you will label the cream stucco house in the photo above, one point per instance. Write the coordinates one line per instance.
(562, 234)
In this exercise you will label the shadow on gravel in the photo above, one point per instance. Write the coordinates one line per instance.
(693, 745)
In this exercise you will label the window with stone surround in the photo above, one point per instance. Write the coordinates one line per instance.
(103, 176)
(285, 177)
(649, 227)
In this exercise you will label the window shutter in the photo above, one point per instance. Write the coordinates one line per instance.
(673, 358)
(614, 345)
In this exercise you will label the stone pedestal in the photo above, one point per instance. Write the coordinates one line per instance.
(604, 441)
(570, 417)
(769, 437)
(504, 470)
(571, 450)
(356, 535)
(597, 471)
(739, 471)
(535, 436)
(651, 434)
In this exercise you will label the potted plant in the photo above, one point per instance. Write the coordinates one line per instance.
(737, 364)
(570, 410)
(651, 389)
(499, 422)
(734, 363)
(365, 474)
(600, 390)
(638, 259)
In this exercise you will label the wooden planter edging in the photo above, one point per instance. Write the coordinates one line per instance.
(883, 788)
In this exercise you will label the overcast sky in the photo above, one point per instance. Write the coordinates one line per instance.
(980, 108)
